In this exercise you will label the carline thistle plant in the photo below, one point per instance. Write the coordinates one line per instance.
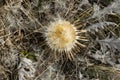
(62, 37)
(63, 33)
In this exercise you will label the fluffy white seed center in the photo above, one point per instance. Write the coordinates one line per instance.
(61, 36)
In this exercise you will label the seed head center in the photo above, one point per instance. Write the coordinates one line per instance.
(61, 35)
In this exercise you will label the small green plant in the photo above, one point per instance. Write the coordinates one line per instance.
(29, 55)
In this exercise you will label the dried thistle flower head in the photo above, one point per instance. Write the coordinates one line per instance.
(62, 37)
